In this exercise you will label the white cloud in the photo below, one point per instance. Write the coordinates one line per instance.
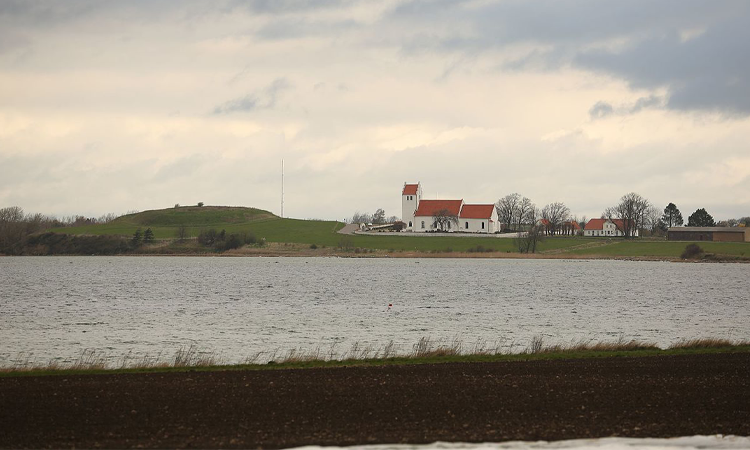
(113, 106)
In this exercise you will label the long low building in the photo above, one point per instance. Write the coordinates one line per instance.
(717, 234)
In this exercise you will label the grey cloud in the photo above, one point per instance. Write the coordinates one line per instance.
(286, 6)
(707, 72)
(558, 22)
(601, 109)
(646, 102)
(265, 98)
(298, 28)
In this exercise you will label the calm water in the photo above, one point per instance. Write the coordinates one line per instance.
(55, 307)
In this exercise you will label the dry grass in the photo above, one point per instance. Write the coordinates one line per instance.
(424, 348)
(537, 346)
(90, 359)
(698, 343)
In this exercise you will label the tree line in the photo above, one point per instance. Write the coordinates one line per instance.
(518, 213)
(376, 218)
(16, 225)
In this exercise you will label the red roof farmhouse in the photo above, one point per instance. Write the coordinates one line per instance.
(425, 215)
(606, 227)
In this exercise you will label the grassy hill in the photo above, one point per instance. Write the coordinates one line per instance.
(263, 224)
(165, 222)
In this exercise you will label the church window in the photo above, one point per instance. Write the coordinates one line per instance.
(410, 224)
(423, 224)
(466, 225)
(483, 225)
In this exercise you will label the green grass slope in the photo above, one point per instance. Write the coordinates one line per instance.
(657, 248)
(165, 222)
(263, 224)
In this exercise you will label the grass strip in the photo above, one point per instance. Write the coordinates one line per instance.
(698, 347)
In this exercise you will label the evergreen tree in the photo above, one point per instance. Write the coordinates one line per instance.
(148, 236)
(701, 218)
(137, 238)
(672, 216)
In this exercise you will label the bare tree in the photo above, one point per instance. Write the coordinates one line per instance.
(525, 206)
(12, 228)
(555, 213)
(182, 233)
(507, 208)
(361, 218)
(583, 222)
(632, 210)
(443, 219)
(526, 242)
(379, 217)
(652, 219)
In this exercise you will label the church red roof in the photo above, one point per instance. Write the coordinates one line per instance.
(410, 189)
(430, 207)
(477, 211)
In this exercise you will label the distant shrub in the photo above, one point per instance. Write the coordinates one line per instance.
(346, 243)
(65, 244)
(249, 238)
(399, 225)
(313, 246)
(479, 249)
(222, 240)
(692, 251)
(231, 242)
(137, 238)
(200, 204)
(148, 236)
(207, 237)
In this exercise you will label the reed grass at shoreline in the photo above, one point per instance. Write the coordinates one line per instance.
(424, 351)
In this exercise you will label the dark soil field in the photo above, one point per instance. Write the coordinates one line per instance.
(659, 396)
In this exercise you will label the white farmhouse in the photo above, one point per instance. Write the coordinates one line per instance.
(606, 227)
(420, 215)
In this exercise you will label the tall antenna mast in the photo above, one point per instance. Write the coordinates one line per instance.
(282, 188)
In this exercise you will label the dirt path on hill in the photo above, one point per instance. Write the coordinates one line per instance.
(648, 396)
(349, 228)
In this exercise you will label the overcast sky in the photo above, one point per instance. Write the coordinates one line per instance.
(111, 106)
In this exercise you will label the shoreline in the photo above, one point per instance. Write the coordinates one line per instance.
(655, 396)
(380, 254)
(191, 359)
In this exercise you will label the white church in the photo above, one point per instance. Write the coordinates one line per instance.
(419, 214)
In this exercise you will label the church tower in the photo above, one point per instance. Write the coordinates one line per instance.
(410, 197)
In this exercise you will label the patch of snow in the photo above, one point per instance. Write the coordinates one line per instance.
(682, 443)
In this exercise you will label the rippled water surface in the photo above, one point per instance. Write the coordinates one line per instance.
(55, 307)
